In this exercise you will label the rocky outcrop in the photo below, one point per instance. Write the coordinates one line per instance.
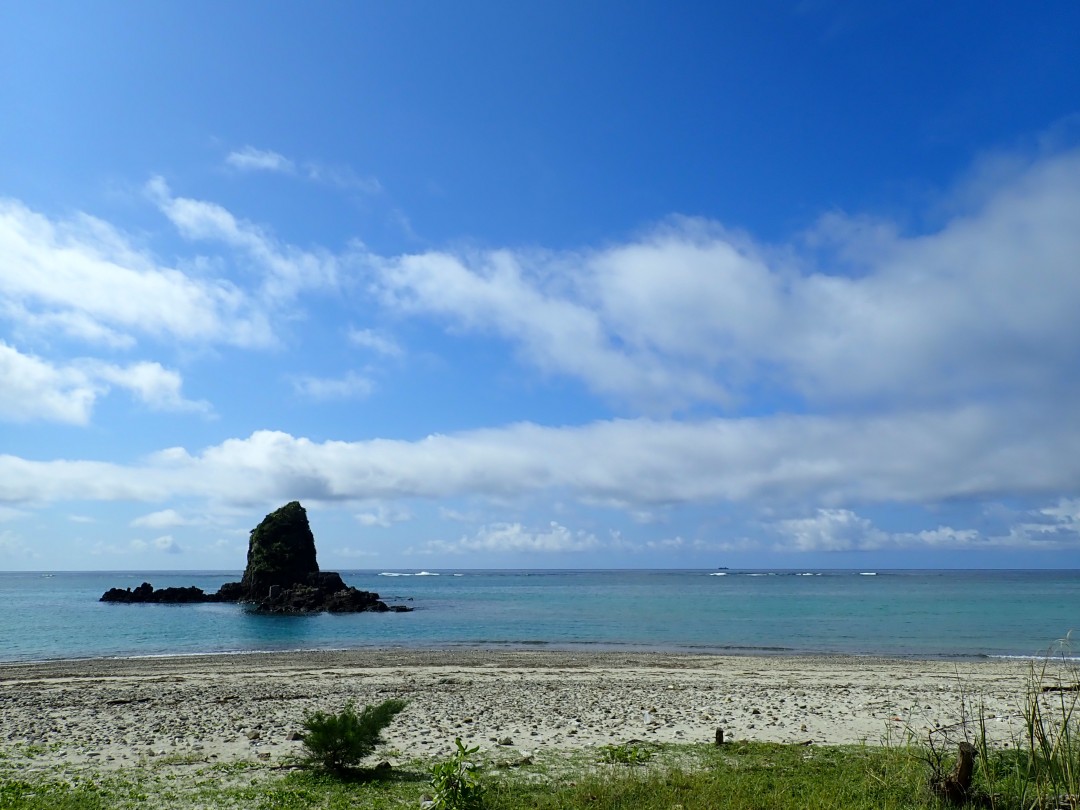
(164, 596)
(281, 552)
(282, 576)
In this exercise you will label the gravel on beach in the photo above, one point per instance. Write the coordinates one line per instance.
(221, 708)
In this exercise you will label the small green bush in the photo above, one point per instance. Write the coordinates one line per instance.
(453, 783)
(626, 754)
(337, 742)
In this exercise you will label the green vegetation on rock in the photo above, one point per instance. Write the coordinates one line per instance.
(281, 551)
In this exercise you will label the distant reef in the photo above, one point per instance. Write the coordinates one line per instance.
(282, 576)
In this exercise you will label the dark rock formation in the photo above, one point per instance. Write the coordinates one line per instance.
(281, 552)
(164, 596)
(282, 576)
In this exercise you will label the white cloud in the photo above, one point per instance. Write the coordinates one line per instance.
(844, 530)
(350, 386)
(355, 553)
(374, 342)
(691, 313)
(513, 537)
(494, 293)
(157, 387)
(167, 544)
(384, 516)
(831, 530)
(36, 390)
(163, 519)
(341, 177)
(251, 159)
(285, 270)
(971, 452)
(85, 278)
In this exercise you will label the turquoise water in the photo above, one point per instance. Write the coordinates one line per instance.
(892, 613)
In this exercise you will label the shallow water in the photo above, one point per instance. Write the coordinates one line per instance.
(891, 613)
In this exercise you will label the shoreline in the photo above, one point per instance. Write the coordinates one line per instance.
(220, 708)
(568, 650)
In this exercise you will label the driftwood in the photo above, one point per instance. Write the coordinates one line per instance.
(956, 787)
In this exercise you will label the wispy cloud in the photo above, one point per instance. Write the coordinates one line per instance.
(250, 159)
(349, 386)
(286, 270)
(163, 519)
(514, 537)
(374, 342)
(383, 515)
(165, 544)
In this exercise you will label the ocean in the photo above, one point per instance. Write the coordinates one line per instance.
(920, 614)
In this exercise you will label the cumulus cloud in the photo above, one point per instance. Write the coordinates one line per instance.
(855, 313)
(496, 293)
(831, 530)
(37, 390)
(85, 278)
(972, 452)
(845, 530)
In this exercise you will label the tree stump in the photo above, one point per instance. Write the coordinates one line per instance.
(956, 787)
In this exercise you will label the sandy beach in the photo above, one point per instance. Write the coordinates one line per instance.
(111, 713)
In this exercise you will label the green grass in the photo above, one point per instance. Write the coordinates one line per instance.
(740, 775)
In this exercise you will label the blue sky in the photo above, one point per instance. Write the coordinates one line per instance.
(541, 284)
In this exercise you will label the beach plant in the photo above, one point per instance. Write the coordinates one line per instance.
(454, 783)
(337, 742)
(624, 754)
(1052, 731)
(1037, 768)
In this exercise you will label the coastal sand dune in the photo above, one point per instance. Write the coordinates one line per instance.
(229, 707)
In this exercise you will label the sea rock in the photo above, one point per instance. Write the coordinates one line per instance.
(281, 551)
(282, 576)
(167, 596)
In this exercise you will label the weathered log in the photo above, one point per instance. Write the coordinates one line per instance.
(956, 787)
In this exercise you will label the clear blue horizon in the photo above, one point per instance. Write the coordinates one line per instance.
(788, 284)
